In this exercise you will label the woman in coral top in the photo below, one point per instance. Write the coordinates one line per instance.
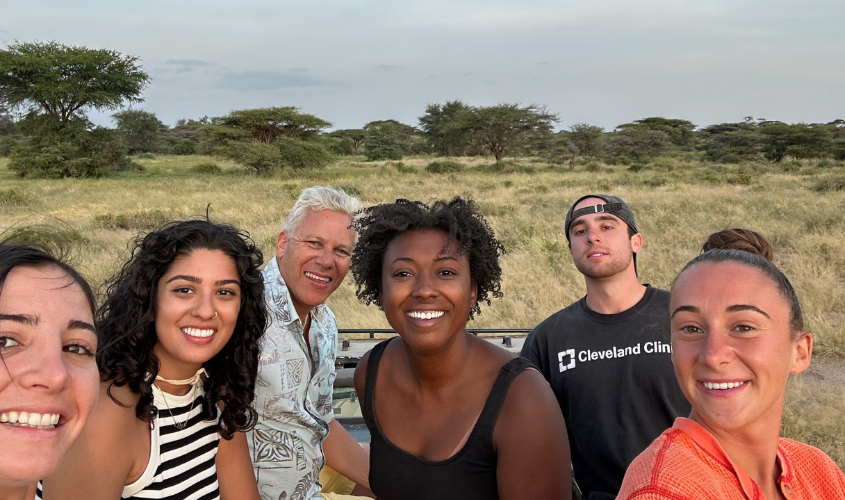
(737, 336)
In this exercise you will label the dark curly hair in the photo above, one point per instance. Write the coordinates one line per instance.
(126, 320)
(378, 225)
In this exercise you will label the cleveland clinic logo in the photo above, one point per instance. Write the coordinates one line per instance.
(566, 359)
(561, 355)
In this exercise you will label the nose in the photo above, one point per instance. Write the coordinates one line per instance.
(424, 287)
(715, 350)
(326, 258)
(204, 306)
(592, 234)
(45, 368)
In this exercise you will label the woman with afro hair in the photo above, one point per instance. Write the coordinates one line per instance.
(178, 362)
(450, 415)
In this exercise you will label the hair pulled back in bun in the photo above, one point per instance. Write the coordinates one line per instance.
(749, 248)
(739, 239)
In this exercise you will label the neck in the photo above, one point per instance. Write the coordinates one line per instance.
(439, 369)
(614, 294)
(8, 492)
(753, 449)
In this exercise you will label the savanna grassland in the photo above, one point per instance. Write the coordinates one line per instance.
(798, 205)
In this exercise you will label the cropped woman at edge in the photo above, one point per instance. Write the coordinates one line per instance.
(737, 335)
(48, 377)
(181, 329)
(450, 415)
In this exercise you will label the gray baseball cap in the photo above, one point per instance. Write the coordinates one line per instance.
(612, 205)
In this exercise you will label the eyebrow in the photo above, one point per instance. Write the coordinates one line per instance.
(28, 320)
(194, 279)
(734, 308)
(76, 324)
(24, 319)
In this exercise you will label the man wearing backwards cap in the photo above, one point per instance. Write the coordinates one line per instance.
(607, 356)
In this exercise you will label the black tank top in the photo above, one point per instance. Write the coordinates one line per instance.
(468, 474)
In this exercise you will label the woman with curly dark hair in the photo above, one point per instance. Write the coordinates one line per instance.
(178, 363)
(450, 415)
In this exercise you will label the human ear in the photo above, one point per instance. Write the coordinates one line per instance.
(802, 352)
(281, 241)
(636, 243)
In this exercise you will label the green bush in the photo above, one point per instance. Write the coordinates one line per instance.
(206, 168)
(444, 167)
(379, 147)
(69, 153)
(184, 148)
(299, 154)
(283, 152)
(7, 143)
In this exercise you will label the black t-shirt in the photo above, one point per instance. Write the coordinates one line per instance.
(613, 377)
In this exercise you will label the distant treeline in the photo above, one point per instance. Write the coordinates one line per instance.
(51, 86)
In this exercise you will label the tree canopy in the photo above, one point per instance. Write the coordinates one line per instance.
(64, 81)
(266, 124)
(504, 128)
(141, 129)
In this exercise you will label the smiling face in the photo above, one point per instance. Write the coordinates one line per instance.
(314, 260)
(426, 292)
(50, 382)
(600, 245)
(732, 346)
(197, 305)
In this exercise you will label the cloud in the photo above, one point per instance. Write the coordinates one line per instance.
(388, 67)
(297, 70)
(267, 80)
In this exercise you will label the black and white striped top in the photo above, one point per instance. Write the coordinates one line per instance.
(181, 465)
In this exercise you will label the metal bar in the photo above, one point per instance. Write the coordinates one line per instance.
(475, 331)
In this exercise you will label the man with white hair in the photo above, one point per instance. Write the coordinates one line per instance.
(296, 432)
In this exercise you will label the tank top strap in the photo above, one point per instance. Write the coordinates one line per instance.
(490, 412)
(369, 412)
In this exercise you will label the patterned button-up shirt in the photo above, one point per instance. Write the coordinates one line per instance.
(294, 407)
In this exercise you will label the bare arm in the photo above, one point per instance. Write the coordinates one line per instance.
(531, 441)
(346, 456)
(111, 448)
(235, 475)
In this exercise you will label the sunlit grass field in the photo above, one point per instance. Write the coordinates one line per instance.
(799, 206)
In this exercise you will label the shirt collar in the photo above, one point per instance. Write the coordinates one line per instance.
(710, 444)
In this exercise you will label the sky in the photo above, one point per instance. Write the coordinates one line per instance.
(602, 62)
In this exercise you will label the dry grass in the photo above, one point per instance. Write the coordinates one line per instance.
(677, 204)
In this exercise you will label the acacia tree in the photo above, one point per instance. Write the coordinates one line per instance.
(442, 130)
(266, 124)
(64, 81)
(269, 139)
(505, 128)
(356, 137)
(586, 138)
(141, 129)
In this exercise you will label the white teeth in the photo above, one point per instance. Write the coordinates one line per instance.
(426, 314)
(722, 385)
(315, 277)
(36, 420)
(196, 332)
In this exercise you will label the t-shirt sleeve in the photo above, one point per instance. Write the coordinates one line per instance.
(534, 350)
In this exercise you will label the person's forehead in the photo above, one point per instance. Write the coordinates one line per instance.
(589, 202)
